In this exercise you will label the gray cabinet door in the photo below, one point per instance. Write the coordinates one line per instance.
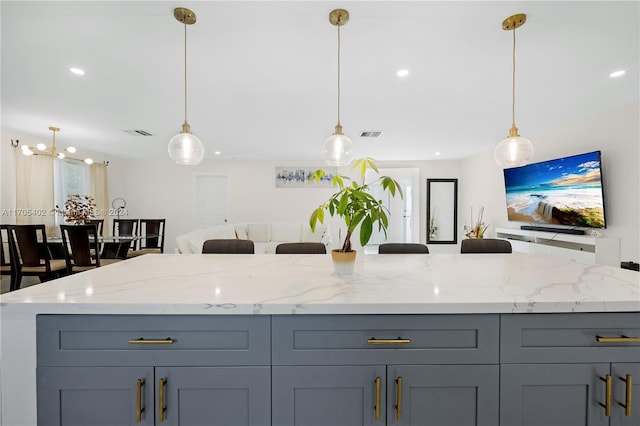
(443, 395)
(214, 396)
(553, 394)
(328, 395)
(620, 416)
(94, 396)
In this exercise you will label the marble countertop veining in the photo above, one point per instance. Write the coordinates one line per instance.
(306, 284)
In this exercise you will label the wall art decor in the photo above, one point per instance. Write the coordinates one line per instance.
(298, 177)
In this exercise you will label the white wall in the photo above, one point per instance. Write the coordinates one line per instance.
(615, 133)
(8, 173)
(159, 188)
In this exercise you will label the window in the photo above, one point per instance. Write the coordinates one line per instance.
(70, 177)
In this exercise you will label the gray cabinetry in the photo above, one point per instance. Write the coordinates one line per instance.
(329, 395)
(392, 369)
(169, 370)
(442, 395)
(214, 396)
(339, 370)
(569, 369)
(94, 396)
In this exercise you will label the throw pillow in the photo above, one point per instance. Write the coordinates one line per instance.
(258, 231)
(241, 232)
(289, 232)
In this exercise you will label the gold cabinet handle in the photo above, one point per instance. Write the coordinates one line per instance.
(398, 341)
(139, 409)
(377, 408)
(621, 339)
(627, 399)
(398, 398)
(607, 398)
(143, 341)
(161, 406)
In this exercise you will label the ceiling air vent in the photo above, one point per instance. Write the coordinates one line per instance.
(370, 134)
(138, 132)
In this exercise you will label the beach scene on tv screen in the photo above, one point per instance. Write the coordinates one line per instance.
(565, 191)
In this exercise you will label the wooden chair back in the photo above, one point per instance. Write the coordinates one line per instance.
(77, 241)
(152, 233)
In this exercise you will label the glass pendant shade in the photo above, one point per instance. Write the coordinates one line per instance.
(337, 150)
(185, 148)
(513, 151)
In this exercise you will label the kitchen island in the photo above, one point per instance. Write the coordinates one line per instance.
(386, 293)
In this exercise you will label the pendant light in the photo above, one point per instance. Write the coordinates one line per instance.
(515, 150)
(338, 149)
(185, 148)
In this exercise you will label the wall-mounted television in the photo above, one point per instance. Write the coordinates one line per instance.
(564, 191)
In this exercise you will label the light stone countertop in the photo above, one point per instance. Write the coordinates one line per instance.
(300, 284)
(306, 284)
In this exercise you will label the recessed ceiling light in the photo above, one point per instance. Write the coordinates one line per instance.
(402, 73)
(77, 71)
(217, 153)
(618, 73)
(437, 153)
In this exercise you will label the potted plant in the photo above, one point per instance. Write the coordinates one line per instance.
(78, 209)
(477, 228)
(356, 206)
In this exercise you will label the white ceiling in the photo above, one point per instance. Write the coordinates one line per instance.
(262, 75)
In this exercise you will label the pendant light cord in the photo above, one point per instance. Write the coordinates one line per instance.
(185, 72)
(513, 81)
(338, 73)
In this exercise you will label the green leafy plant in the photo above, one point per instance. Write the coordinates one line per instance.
(354, 204)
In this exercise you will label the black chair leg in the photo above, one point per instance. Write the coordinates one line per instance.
(16, 280)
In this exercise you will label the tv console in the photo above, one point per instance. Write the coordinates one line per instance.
(586, 248)
(554, 230)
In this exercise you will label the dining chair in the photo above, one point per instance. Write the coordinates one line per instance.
(95, 245)
(151, 232)
(232, 246)
(126, 228)
(485, 245)
(31, 256)
(76, 240)
(6, 258)
(301, 248)
(395, 248)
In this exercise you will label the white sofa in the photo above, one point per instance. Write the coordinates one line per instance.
(265, 236)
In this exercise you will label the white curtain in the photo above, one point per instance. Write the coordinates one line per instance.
(34, 191)
(100, 193)
(43, 182)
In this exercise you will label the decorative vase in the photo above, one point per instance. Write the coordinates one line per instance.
(343, 261)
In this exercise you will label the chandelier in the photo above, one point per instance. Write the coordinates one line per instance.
(52, 151)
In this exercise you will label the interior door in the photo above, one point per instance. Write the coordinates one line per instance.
(403, 212)
(210, 200)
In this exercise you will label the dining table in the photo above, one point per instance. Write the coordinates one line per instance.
(113, 247)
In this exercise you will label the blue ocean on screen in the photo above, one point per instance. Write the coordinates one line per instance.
(565, 191)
